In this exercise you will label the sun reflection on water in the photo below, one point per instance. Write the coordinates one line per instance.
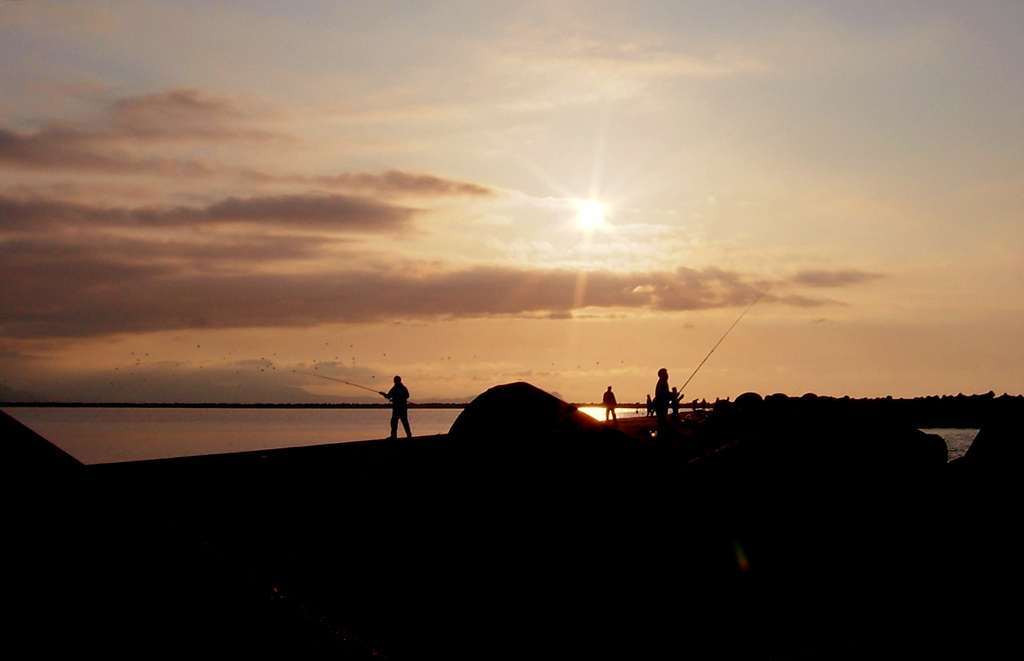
(597, 412)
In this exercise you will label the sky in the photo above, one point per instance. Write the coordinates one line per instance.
(210, 203)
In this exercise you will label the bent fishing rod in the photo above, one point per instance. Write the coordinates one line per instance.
(723, 337)
(331, 378)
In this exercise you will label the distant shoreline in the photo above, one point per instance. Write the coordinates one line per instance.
(200, 405)
(931, 412)
(222, 405)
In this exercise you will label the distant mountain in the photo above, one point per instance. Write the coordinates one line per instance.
(12, 395)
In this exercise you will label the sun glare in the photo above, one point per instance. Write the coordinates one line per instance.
(591, 214)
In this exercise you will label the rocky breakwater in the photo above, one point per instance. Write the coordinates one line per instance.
(776, 527)
(834, 518)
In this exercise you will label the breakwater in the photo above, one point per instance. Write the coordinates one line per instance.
(764, 530)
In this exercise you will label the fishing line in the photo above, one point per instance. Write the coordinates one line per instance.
(331, 378)
(723, 337)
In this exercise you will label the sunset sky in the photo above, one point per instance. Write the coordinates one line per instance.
(200, 201)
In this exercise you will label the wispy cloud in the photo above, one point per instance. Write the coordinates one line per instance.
(326, 212)
(112, 141)
(62, 148)
(153, 135)
(392, 182)
(842, 278)
(180, 114)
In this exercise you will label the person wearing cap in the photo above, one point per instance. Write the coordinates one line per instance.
(399, 396)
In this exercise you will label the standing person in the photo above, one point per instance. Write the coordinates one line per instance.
(650, 407)
(399, 396)
(676, 396)
(609, 405)
(662, 397)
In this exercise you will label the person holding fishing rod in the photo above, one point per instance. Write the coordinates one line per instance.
(399, 396)
(662, 399)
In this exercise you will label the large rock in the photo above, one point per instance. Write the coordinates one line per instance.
(518, 410)
(516, 434)
(997, 447)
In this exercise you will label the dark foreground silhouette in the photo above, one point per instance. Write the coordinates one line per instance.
(776, 528)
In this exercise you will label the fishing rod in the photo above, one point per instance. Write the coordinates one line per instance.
(331, 378)
(723, 337)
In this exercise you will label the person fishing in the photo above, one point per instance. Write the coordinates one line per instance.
(662, 399)
(399, 396)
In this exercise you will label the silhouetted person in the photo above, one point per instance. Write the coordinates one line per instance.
(662, 398)
(399, 396)
(609, 405)
(674, 401)
(650, 407)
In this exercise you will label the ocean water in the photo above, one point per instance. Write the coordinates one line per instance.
(104, 435)
(597, 412)
(957, 440)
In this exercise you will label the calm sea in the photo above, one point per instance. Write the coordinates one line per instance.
(103, 435)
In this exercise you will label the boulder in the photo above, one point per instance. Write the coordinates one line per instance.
(996, 447)
(517, 410)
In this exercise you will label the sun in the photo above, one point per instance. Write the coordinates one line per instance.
(591, 214)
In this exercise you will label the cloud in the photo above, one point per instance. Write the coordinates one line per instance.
(392, 182)
(175, 116)
(180, 114)
(804, 302)
(213, 253)
(88, 290)
(325, 212)
(59, 148)
(71, 149)
(132, 134)
(818, 278)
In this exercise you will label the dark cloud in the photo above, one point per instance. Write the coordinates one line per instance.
(38, 215)
(325, 211)
(75, 149)
(60, 148)
(60, 291)
(213, 254)
(392, 182)
(818, 278)
(690, 289)
(328, 212)
(405, 183)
